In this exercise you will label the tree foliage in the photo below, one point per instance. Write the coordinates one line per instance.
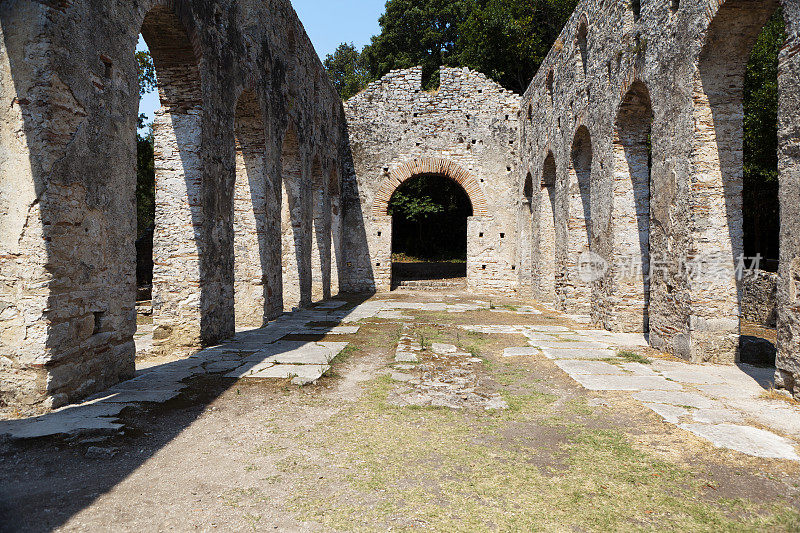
(761, 213)
(147, 73)
(418, 32)
(348, 70)
(508, 39)
(430, 218)
(145, 164)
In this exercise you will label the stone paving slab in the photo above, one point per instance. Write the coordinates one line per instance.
(332, 304)
(568, 345)
(670, 413)
(679, 398)
(142, 396)
(745, 439)
(717, 416)
(443, 349)
(305, 372)
(625, 383)
(576, 353)
(521, 352)
(598, 368)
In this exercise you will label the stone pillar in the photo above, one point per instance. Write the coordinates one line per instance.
(546, 267)
(336, 249)
(67, 219)
(381, 252)
(320, 236)
(179, 231)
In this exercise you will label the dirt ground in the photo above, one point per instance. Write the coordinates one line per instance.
(341, 455)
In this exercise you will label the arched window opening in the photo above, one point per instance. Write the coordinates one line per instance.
(550, 78)
(429, 237)
(574, 287)
(527, 191)
(583, 47)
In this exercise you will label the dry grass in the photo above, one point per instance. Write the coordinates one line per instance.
(783, 396)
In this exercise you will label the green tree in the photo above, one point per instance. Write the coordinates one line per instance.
(418, 32)
(508, 39)
(761, 214)
(145, 163)
(348, 70)
(145, 184)
(147, 73)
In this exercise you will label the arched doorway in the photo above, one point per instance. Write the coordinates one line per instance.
(429, 230)
(632, 161)
(719, 216)
(178, 170)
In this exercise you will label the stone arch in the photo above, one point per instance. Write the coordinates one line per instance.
(630, 217)
(180, 266)
(251, 258)
(440, 166)
(717, 174)
(168, 30)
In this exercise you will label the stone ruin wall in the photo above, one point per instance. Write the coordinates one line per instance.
(465, 130)
(69, 95)
(241, 237)
(682, 63)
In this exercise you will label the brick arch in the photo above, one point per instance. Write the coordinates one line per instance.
(432, 165)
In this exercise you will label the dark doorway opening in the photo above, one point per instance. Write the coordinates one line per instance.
(429, 238)
(761, 213)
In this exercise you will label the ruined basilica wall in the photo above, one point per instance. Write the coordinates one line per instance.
(68, 157)
(690, 56)
(467, 130)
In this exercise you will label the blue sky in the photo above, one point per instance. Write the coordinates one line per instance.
(328, 23)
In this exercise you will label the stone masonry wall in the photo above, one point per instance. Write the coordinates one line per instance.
(467, 131)
(69, 94)
(671, 72)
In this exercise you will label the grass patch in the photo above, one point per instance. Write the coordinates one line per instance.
(390, 467)
(633, 357)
